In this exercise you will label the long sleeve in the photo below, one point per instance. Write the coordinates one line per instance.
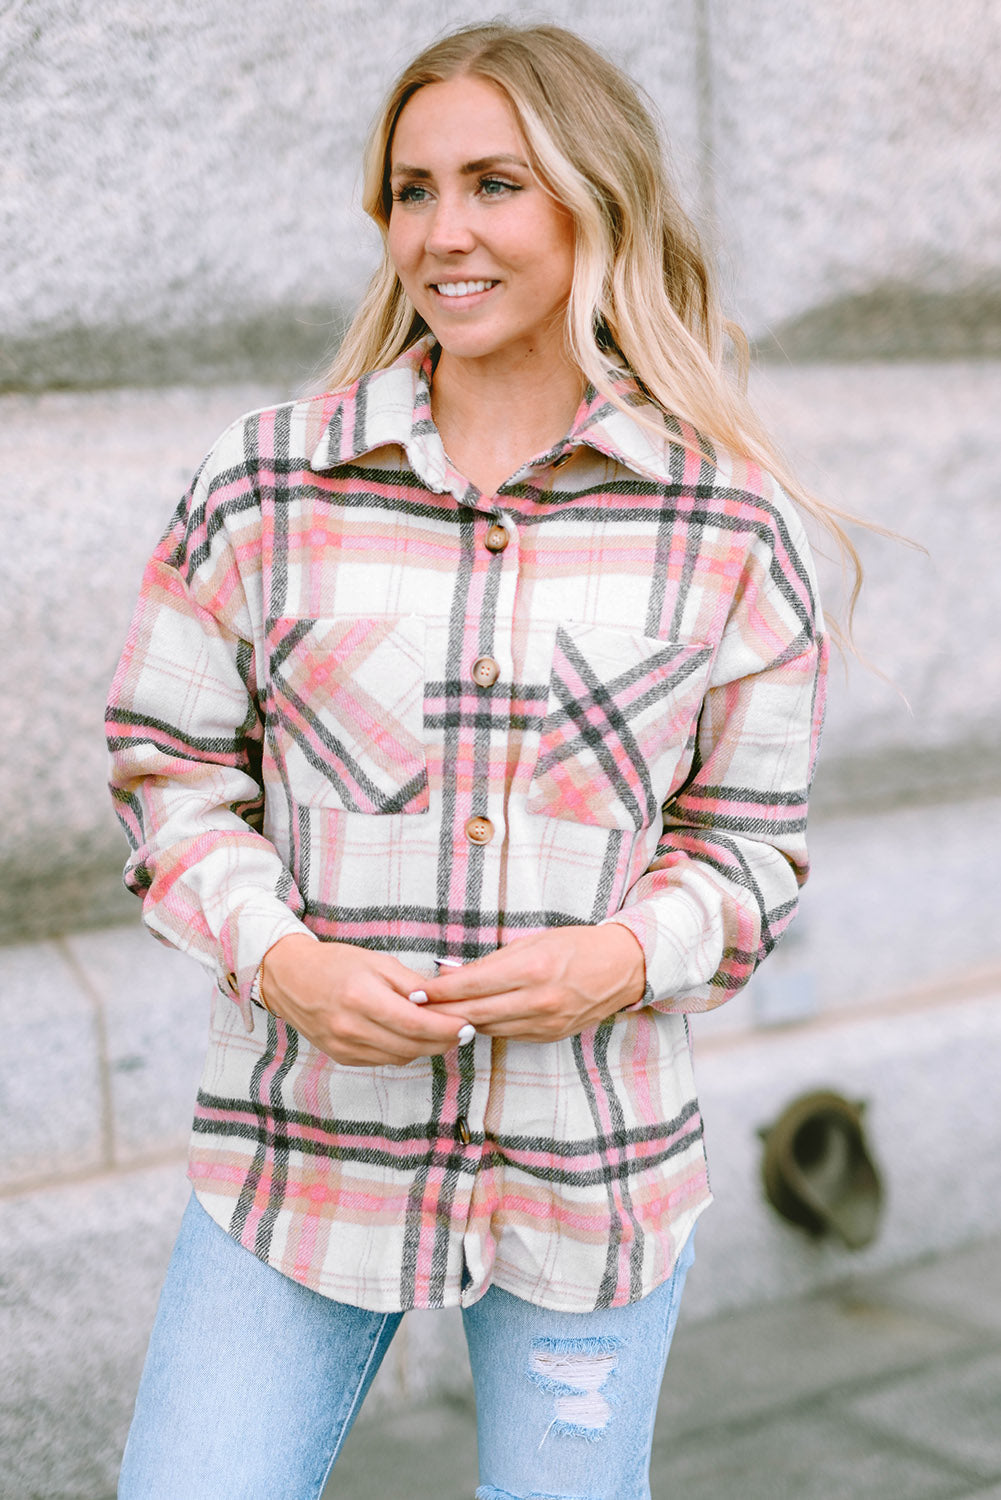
(185, 735)
(724, 880)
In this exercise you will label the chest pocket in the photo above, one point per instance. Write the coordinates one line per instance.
(619, 729)
(344, 719)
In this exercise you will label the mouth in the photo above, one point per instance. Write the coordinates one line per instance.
(464, 289)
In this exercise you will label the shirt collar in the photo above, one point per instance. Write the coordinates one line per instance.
(609, 430)
(393, 407)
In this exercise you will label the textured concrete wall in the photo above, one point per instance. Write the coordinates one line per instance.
(911, 446)
(179, 181)
(857, 176)
(179, 240)
(179, 203)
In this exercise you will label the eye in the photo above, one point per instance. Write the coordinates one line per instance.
(411, 192)
(496, 187)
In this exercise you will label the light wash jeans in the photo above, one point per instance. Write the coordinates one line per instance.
(252, 1383)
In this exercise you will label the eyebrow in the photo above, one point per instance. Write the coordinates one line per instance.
(468, 169)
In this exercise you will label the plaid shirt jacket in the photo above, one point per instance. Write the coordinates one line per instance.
(343, 660)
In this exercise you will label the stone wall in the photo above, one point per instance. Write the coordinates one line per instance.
(180, 240)
(179, 216)
(179, 210)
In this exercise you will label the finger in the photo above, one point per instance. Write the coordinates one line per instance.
(418, 1022)
(371, 1021)
(537, 1029)
(481, 1012)
(496, 974)
(370, 1045)
(529, 1015)
(486, 1013)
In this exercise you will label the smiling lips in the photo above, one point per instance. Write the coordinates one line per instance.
(461, 288)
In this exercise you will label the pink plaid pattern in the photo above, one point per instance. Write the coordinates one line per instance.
(622, 713)
(336, 719)
(297, 744)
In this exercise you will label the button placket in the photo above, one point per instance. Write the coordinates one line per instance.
(500, 536)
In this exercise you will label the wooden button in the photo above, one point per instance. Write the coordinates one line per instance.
(485, 672)
(462, 1130)
(497, 538)
(479, 830)
(232, 984)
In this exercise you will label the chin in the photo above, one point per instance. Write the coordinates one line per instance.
(465, 348)
(481, 343)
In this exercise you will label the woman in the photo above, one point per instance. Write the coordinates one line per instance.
(497, 670)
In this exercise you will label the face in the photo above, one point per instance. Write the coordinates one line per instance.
(482, 250)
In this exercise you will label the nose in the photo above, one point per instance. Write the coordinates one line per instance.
(449, 231)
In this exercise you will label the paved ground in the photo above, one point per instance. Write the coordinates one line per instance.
(888, 1389)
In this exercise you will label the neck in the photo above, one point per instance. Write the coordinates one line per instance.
(495, 415)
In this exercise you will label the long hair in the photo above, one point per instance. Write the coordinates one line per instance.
(642, 296)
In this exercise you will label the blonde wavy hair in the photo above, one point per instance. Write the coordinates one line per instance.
(643, 296)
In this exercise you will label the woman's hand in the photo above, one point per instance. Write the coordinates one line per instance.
(545, 987)
(353, 1004)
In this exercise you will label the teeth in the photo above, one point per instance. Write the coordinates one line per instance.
(463, 288)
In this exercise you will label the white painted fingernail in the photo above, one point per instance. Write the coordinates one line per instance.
(449, 963)
(418, 997)
(466, 1034)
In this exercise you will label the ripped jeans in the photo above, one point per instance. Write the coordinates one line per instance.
(252, 1383)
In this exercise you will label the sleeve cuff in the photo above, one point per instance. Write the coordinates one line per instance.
(255, 932)
(682, 944)
(647, 996)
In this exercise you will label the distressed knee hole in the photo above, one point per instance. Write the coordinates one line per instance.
(575, 1372)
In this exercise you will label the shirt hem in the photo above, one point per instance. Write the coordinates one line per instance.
(458, 1296)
